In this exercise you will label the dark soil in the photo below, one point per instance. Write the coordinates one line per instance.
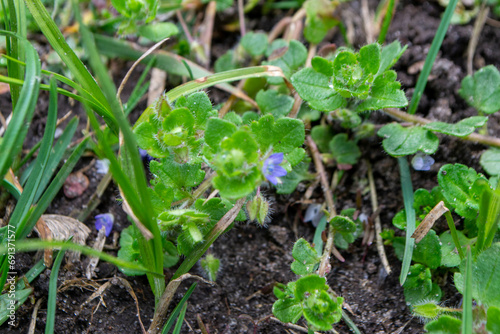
(254, 258)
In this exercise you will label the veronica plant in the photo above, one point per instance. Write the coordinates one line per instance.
(471, 196)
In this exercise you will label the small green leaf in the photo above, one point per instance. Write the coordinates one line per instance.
(449, 253)
(226, 62)
(255, 43)
(343, 224)
(316, 89)
(482, 90)
(418, 285)
(322, 65)
(290, 62)
(287, 310)
(428, 251)
(322, 135)
(218, 129)
(306, 258)
(486, 277)
(348, 119)
(199, 104)
(180, 177)
(399, 141)
(237, 186)
(385, 93)
(283, 135)
(158, 31)
(307, 285)
(129, 250)
(444, 325)
(390, 55)
(319, 19)
(170, 254)
(457, 183)
(271, 102)
(493, 319)
(461, 129)
(369, 58)
(429, 310)
(211, 265)
(345, 151)
(321, 310)
(307, 114)
(490, 161)
(291, 180)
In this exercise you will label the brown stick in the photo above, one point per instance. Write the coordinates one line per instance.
(322, 174)
(378, 225)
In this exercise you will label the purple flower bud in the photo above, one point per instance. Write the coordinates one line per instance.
(104, 220)
(144, 155)
(272, 169)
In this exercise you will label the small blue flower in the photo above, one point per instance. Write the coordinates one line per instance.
(422, 162)
(105, 220)
(272, 169)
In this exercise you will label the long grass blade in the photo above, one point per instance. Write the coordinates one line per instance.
(389, 14)
(467, 302)
(431, 56)
(68, 56)
(151, 250)
(51, 191)
(23, 112)
(38, 244)
(28, 195)
(56, 155)
(177, 309)
(180, 320)
(51, 301)
(407, 188)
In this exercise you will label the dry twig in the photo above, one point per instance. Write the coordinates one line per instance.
(378, 225)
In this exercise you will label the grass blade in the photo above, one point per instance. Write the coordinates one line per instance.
(407, 188)
(38, 244)
(28, 195)
(389, 14)
(68, 56)
(151, 250)
(57, 154)
(178, 324)
(23, 111)
(431, 56)
(51, 301)
(169, 62)
(177, 309)
(467, 303)
(51, 191)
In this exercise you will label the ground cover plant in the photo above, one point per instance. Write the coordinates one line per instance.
(190, 203)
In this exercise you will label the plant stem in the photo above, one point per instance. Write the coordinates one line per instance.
(473, 137)
(378, 224)
(454, 235)
(323, 178)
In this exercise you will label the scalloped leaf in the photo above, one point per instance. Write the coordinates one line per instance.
(400, 141)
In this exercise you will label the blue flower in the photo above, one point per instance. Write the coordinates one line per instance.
(272, 169)
(422, 162)
(104, 220)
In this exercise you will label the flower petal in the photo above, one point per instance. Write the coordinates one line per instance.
(275, 158)
(105, 220)
(271, 178)
(279, 171)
